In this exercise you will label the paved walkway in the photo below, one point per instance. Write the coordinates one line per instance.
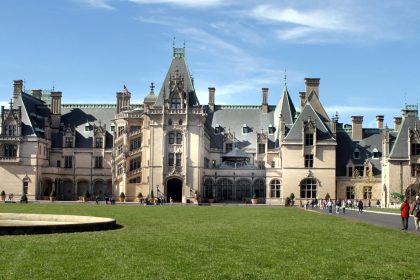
(385, 219)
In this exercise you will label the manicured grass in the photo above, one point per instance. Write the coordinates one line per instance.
(210, 243)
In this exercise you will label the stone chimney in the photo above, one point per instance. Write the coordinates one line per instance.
(379, 121)
(264, 106)
(312, 84)
(357, 129)
(37, 93)
(302, 96)
(397, 123)
(212, 92)
(17, 88)
(55, 109)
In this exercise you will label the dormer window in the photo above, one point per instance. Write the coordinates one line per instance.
(112, 128)
(309, 139)
(228, 147)
(271, 129)
(68, 142)
(175, 103)
(415, 149)
(99, 142)
(375, 153)
(244, 129)
(217, 129)
(356, 154)
(87, 127)
(10, 129)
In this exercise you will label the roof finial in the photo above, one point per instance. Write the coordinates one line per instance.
(152, 87)
(285, 78)
(184, 44)
(173, 42)
(53, 84)
(11, 104)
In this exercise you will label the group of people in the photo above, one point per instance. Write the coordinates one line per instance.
(413, 209)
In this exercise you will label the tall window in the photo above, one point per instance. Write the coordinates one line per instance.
(99, 142)
(309, 139)
(259, 188)
(261, 148)
(309, 161)
(11, 130)
(175, 103)
(415, 149)
(10, 150)
(275, 188)
(170, 122)
(180, 122)
(350, 192)
(350, 171)
(135, 144)
(228, 147)
(68, 142)
(120, 149)
(135, 163)
(261, 164)
(367, 192)
(68, 161)
(121, 130)
(178, 138)
(98, 162)
(178, 159)
(308, 188)
(171, 158)
(171, 138)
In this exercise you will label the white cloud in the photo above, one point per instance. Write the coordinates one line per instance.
(100, 4)
(185, 3)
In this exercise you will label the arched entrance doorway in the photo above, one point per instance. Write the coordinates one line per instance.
(174, 190)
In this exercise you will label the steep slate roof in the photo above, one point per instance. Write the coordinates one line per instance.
(74, 115)
(400, 147)
(233, 118)
(372, 139)
(295, 133)
(316, 104)
(34, 112)
(180, 68)
(286, 108)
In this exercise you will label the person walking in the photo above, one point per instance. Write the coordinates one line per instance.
(360, 206)
(415, 211)
(329, 206)
(404, 214)
(343, 206)
(337, 206)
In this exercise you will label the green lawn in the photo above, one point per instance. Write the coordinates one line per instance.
(209, 243)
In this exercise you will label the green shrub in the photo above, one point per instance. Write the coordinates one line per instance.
(3, 193)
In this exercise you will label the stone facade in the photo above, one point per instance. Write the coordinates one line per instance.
(171, 146)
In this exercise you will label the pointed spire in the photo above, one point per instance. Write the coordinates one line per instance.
(285, 79)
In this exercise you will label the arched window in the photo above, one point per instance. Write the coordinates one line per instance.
(171, 137)
(208, 188)
(308, 188)
(259, 188)
(224, 189)
(180, 122)
(275, 188)
(170, 122)
(178, 138)
(243, 189)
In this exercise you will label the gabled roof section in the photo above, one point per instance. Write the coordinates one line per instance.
(178, 69)
(285, 108)
(34, 113)
(400, 149)
(316, 104)
(236, 153)
(308, 112)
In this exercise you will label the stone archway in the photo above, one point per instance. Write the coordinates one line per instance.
(99, 188)
(82, 187)
(174, 190)
(67, 191)
(47, 185)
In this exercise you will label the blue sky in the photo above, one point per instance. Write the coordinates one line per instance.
(365, 52)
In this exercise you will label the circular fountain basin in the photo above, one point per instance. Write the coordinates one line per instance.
(11, 223)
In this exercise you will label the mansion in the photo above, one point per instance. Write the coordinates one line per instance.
(173, 146)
